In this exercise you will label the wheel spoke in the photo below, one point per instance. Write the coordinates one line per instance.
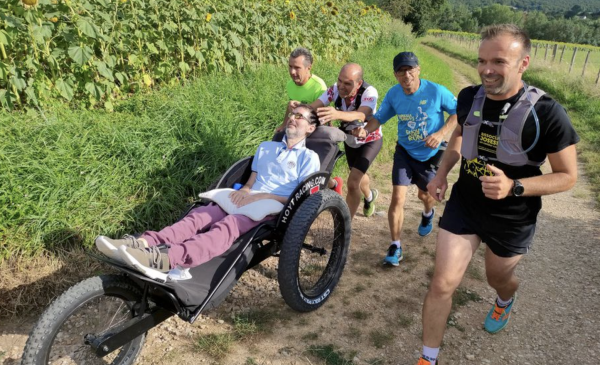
(96, 316)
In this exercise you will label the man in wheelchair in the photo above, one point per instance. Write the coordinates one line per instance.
(108, 316)
(208, 231)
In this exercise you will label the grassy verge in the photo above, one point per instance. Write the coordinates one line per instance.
(74, 174)
(70, 175)
(578, 97)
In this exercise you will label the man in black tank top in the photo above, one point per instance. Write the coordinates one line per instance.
(496, 199)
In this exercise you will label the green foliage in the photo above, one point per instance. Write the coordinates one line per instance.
(421, 14)
(538, 23)
(550, 6)
(215, 345)
(90, 52)
(73, 174)
(81, 173)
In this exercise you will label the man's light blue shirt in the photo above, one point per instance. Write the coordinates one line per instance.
(279, 169)
(419, 115)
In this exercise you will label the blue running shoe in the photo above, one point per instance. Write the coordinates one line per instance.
(394, 255)
(498, 317)
(426, 224)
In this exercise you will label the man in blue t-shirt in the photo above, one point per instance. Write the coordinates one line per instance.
(419, 106)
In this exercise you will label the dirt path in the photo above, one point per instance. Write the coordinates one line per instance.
(374, 315)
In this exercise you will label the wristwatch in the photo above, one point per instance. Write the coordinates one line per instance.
(517, 189)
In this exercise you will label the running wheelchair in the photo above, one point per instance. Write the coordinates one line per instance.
(104, 319)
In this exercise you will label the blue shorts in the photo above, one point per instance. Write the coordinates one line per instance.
(408, 171)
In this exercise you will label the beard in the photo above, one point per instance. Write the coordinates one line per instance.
(292, 132)
(498, 87)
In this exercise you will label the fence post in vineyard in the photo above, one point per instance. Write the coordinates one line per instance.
(554, 51)
(546, 53)
(585, 63)
(536, 47)
(562, 53)
(573, 59)
(598, 77)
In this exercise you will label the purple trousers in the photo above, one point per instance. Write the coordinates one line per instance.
(205, 232)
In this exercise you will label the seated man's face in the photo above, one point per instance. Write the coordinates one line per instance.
(299, 72)
(298, 125)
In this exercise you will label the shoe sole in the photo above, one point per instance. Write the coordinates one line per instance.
(426, 234)
(496, 331)
(107, 249)
(387, 263)
(131, 261)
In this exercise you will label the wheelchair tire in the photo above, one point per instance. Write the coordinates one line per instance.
(91, 306)
(314, 250)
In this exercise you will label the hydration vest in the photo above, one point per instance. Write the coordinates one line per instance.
(510, 149)
(357, 99)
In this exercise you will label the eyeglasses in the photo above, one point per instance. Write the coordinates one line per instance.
(407, 71)
(297, 116)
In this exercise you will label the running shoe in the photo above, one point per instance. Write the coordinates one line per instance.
(498, 317)
(152, 262)
(339, 186)
(426, 224)
(369, 207)
(394, 255)
(109, 247)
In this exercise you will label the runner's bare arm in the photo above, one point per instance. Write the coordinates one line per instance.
(562, 177)
(328, 114)
(434, 139)
(438, 186)
(372, 125)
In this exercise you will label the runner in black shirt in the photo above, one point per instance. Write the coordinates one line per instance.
(498, 193)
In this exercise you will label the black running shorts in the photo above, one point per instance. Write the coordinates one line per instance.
(503, 240)
(362, 157)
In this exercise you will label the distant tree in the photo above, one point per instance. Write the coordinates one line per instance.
(422, 15)
(397, 8)
(536, 24)
(499, 14)
(419, 13)
(575, 10)
(456, 18)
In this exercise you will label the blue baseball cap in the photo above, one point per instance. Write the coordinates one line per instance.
(405, 59)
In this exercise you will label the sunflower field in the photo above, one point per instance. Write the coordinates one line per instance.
(92, 52)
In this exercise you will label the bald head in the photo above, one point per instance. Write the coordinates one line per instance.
(352, 71)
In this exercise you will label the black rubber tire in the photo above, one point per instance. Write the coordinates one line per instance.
(68, 313)
(323, 218)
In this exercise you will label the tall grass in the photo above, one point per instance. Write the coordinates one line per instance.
(75, 174)
(580, 99)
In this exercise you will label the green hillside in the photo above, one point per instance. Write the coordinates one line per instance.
(546, 6)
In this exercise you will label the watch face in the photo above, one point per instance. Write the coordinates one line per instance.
(518, 190)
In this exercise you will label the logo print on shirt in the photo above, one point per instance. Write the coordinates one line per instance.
(291, 165)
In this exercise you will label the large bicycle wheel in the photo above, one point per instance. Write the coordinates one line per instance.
(93, 306)
(314, 251)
